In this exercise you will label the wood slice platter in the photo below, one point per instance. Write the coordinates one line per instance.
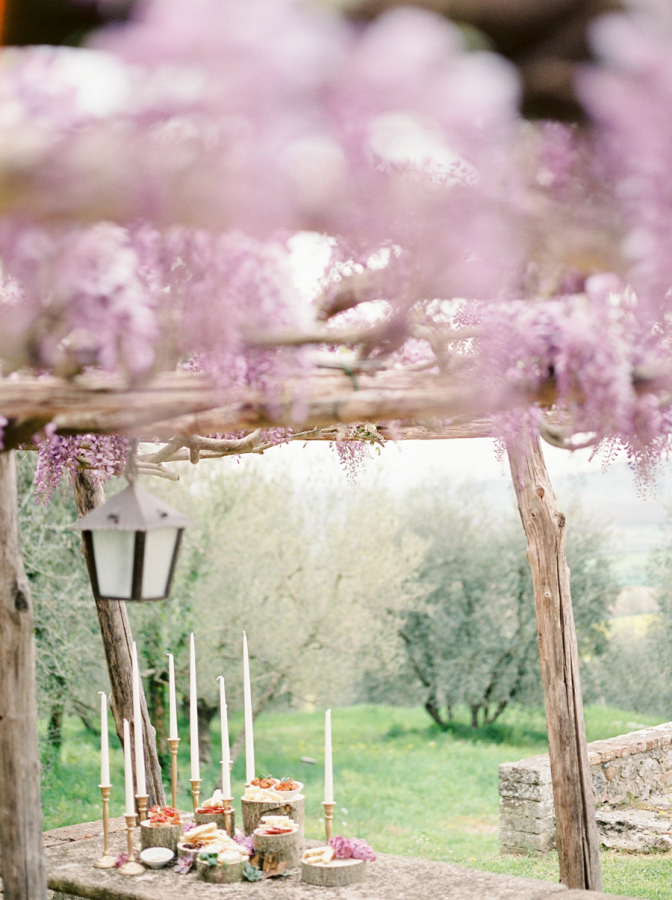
(219, 874)
(284, 847)
(160, 836)
(337, 873)
(219, 818)
(253, 810)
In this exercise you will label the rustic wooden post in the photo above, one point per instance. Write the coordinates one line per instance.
(576, 829)
(23, 865)
(118, 641)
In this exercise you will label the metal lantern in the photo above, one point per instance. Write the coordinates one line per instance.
(132, 542)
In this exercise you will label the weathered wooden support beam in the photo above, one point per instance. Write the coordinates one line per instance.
(118, 641)
(178, 404)
(576, 828)
(23, 864)
(186, 404)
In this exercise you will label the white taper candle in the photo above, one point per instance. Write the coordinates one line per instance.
(104, 743)
(226, 753)
(249, 732)
(193, 713)
(328, 766)
(140, 783)
(172, 700)
(128, 771)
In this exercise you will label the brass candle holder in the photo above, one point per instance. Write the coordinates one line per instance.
(328, 818)
(228, 816)
(141, 800)
(195, 791)
(106, 861)
(131, 866)
(174, 743)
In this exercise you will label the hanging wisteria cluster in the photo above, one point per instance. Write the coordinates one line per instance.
(59, 458)
(151, 184)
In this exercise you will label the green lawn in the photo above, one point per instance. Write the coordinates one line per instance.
(400, 782)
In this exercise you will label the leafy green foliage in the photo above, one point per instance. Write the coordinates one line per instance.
(472, 639)
(316, 586)
(252, 873)
(70, 659)
(643, 671)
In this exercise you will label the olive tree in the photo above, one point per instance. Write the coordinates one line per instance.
(316, 581)
(471, 638)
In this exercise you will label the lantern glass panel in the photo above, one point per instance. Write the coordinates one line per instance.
(113, 551)
(159, 550)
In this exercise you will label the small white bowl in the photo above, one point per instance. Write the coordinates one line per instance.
(292, 795)
(156, 857)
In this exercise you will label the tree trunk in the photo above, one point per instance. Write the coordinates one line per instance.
(491, 719)
(23, 865)
(576, 829)
(206, 714)
(118, 641)
(156, 703)
(432, 707)
(55, 728)
(58, 691)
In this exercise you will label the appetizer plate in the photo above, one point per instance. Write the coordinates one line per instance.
(292, 795)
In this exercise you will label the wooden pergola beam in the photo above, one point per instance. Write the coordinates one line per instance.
(186, 404)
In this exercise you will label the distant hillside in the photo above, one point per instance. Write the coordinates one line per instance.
(635, 601)
(636, 523)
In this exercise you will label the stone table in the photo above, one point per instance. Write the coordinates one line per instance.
(71, 852)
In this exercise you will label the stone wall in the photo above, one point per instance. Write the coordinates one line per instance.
(631, 767)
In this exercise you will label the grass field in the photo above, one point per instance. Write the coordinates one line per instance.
(400, 782)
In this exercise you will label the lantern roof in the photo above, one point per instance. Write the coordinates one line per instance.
(132, 510)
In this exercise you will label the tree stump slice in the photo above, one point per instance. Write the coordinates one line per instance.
(160, 836)
(337, 873)
(253, 810)
(285, 847)
(220, 874)
(218, 818)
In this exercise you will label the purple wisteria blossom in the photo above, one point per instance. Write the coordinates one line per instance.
(629, 97)
(385, 134)
(78, 297)
(156, 215)
(355, 848)
(246, 842)
(103, 456)
(352, 455)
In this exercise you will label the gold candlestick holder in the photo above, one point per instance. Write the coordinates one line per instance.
(174, 743)
(195, 791)
(328, 818)
(141, 800)
(106, 861)
(131, 866)
(228, 816)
